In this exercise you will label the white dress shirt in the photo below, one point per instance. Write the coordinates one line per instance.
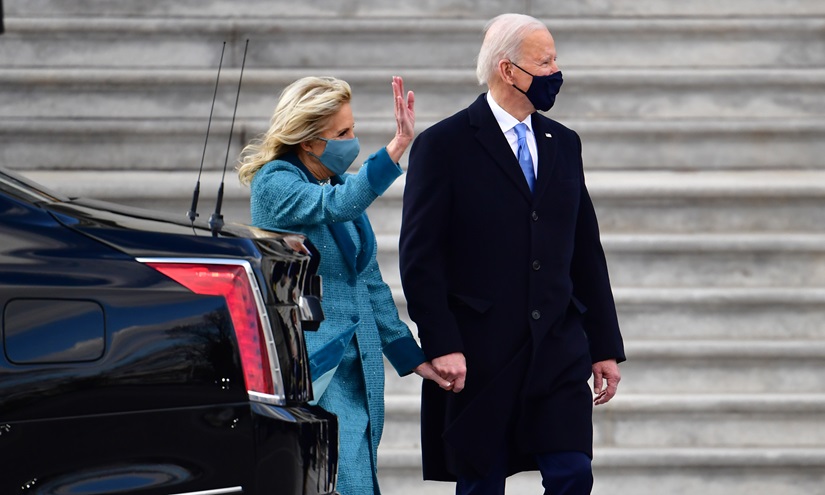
(508, 123)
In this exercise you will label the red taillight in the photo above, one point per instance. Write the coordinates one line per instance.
(231, 282)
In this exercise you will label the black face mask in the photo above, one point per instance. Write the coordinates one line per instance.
(543, 90)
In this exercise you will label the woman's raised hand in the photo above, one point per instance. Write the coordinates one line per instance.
(404, 119)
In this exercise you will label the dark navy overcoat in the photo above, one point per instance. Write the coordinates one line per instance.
(515, 280)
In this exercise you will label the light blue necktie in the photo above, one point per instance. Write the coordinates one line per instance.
(524, 157)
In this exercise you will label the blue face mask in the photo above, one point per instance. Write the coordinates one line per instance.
(543, 90)
(339, 154)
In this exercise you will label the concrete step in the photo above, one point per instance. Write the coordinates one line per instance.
(147, 145)
(636, 94)
(405, 43)
(723, 314)
(644, 310)
(108, 143)
(693, 260)
(649, 471)
(772, 201)
(704, 367)
(716, 260)
(664, 8)
(443, 9)
(662, 421)
(668, 313)
(160, 190)
(723, 367)
(701, 145)
(671, 202)
(715, 202)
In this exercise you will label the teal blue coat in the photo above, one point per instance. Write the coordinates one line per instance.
(361, 321)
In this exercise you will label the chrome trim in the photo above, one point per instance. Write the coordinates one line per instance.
(279, 397)
(302, 267)
(217, 491)
(266, 398)
(305, 309)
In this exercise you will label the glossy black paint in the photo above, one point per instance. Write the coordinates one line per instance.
(114, 378)
(265, 450)
(41, 330)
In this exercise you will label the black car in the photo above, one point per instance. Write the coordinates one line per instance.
(142, 354)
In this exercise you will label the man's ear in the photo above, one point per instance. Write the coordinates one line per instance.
(505, 71)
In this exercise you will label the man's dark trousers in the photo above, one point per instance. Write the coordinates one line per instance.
(563, 473)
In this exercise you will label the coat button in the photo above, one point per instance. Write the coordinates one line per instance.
(536, 265)
(534, 216)
(535, 314)
(354, 319)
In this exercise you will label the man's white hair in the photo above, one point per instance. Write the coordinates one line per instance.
(503, 36)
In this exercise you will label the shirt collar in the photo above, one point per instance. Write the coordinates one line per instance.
(504, 119)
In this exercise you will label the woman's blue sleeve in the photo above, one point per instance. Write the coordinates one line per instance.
(397, 342)
(282, 197)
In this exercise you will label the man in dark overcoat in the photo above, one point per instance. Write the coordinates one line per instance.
(505, 276)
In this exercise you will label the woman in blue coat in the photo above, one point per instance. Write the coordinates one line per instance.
(296, 172)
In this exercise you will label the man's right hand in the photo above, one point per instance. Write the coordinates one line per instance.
(452, 367)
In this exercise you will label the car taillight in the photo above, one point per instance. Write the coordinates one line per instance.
(237, 286)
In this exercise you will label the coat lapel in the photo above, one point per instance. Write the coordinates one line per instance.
(356, 261)
(546, 145)
(492, 140)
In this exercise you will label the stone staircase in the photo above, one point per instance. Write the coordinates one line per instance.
(703, 126)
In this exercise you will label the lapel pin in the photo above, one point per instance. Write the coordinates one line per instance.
(547, 134)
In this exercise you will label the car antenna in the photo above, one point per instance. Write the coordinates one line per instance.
(193, 210)
(216, 220)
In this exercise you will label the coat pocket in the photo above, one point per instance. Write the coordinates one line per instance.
(323, 363)
(580, 307)
(475, 303)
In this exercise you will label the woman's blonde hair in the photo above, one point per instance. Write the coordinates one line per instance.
(302, 113)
